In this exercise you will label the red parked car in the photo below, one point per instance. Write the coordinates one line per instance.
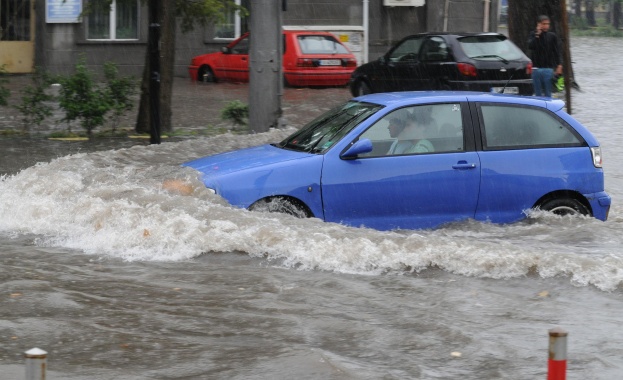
(310, 58)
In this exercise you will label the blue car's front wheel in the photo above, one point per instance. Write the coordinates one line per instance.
(284, 205)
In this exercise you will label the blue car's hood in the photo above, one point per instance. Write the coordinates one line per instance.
(225, 163)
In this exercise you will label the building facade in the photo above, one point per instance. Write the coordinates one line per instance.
(54, 34)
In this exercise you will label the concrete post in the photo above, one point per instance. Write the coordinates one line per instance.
(35, 364)
(265, 67)
(557, 363)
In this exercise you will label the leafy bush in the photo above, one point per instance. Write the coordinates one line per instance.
(82, 99)
(119, 91)
(33, 106)
(236, 112)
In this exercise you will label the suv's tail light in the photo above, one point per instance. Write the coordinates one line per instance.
(529, 68)
(597, 158)
(305, 62)
(467, 69)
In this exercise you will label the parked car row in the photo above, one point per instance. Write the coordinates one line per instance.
(487, 62)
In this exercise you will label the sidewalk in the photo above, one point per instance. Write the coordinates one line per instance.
(195, 105)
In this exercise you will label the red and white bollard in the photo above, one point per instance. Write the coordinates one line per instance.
(557, 364)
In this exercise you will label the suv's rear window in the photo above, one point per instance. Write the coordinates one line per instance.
(490, 48)
(315, 44)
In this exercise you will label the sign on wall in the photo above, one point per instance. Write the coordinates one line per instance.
(63, 11)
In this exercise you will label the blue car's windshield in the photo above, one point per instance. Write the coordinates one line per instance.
(329, 128)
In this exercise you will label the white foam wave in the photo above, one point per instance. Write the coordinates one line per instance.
(113, 204)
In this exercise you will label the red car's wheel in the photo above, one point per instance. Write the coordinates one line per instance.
(205, 74)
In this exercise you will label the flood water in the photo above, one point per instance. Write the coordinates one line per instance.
(117, 278)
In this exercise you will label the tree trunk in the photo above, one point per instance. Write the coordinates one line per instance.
(590, 12)
(167, 58)
(143, 120)
(577, 12)
(616, 15)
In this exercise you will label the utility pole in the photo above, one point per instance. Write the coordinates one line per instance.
(154, 71)
(265, 67)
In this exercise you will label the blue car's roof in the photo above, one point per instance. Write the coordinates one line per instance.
(396, 99)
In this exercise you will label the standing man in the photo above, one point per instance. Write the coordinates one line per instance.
(546, 57)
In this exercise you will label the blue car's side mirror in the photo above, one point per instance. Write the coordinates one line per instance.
(360, 147)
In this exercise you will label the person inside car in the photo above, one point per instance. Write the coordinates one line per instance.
(413, 133)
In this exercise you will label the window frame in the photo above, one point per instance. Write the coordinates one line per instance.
(112, 26)
(384, 122)
(482, 139)
(237, 22)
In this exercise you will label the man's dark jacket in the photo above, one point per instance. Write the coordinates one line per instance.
(546, 50)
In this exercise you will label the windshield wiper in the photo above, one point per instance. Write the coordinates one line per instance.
(491, 56)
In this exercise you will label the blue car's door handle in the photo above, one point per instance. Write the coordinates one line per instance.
(463, 165)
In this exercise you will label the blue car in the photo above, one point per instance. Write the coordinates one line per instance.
(412, 160)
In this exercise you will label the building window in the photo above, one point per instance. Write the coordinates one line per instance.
(233, 25)
(120, 22)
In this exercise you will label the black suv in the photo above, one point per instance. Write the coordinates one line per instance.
(487, 62)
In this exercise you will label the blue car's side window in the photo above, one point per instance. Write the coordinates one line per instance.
(431, 128)
(509, 127)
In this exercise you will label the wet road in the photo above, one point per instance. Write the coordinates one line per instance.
(117, 278)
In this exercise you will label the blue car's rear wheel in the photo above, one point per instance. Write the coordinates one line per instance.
(565, 206)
